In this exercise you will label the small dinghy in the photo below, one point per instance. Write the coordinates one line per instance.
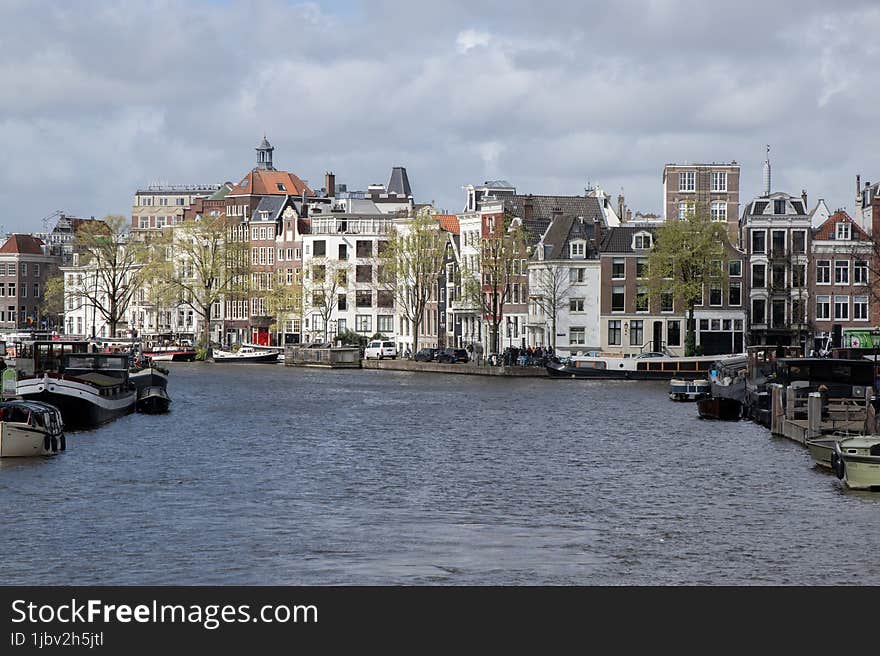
(153, 400)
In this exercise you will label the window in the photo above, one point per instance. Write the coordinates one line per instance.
(341, 326)
(144, 222)
(319, 272)
(641, 267)
(673, 333)
(719, 181)
(37, 270)
(734, 293)
(12, 291)
(641, 299)
(578, 249)
(823, 272)
(577, 275)
(759, 311)
(715, 295)
(575, 305)
(798, 242)
(363, 273)
(364, 298)
(636, 332)
(860, 272)
(718, 210)
(684, 210)
(618, 268)
(263, 233)
(342, 302)
(735, 268)
(3, 293)
(618, 295)
(841, 308)
(686, 180)
(778, 239)
(255, 233)
(343, 252)
(759, 279)
(666, 302)
(363, 323)
(364, 248)
(779, 207)
(280, 186)
(577, 335)
(842, 231)
(643, 241)
(860, 308)
(160, 221)
(778, 280)
(841, 272)
(614, 333)
(797, 310)
(320, 248)
(778, 314)
(36, 290)
(759, 241)
(385, 323)
(799, 275)
(384, 299)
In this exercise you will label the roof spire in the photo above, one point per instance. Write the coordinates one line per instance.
(767, 172)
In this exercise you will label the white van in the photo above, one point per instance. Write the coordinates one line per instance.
(379, 350)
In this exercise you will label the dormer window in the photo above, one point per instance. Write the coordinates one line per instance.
(642, 241)
(244, 183)
(280, 186)
(843, 231)
(578, 249)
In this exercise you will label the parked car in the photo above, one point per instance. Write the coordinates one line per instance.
(452, 355)
(379, 350)
(425, 355)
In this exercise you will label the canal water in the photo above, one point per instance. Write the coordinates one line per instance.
(265, 474)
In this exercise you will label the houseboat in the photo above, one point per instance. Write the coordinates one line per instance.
(656, 367)
(30, 428)
(88, 388)
(153, 400)
(171, 353)
(244, 354)
(856, 460)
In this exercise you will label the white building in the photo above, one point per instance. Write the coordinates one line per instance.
(348, 246)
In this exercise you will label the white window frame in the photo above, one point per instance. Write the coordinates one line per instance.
(687, 181)
(841, 301)
(838, 267)
(718, 211)
(823, 270)
(860, 303)
(842, 231)
(719, 181)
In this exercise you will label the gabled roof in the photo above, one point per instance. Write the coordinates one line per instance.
(828, 229)
(448, 222)
(269, 208)
(22, 244)
(562, 231)
(546, 207)
(619, 240)
(264, 182)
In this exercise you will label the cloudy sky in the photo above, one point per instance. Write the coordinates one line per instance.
(100, 98)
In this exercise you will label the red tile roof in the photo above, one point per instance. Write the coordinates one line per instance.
(449, 222)
(26, 244)
(828, 229)
(262, 182)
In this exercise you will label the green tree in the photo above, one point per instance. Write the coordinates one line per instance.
(113, 264)
(685, 257)
(410, 269)
(52, 302)
(285, 299)
(200, 262)
(489, 287)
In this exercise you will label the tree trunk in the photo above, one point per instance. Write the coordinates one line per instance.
(690, 334)
(553, 336)
(415, 337)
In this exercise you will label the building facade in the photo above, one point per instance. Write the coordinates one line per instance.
(713, 187)
(25, 265)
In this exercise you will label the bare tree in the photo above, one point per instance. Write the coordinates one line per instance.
(550, 291)
(410, 269)
(500, 255)
(325, 279)
(113, 263)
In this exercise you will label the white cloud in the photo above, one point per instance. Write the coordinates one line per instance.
(469, 39)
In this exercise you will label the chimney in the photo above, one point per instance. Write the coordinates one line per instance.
(858, 190)
(804, 197)
(528, 209)
(330, 184)
(767, 173)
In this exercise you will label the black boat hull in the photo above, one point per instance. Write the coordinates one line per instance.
(720, 408)
(613, 374)
(153, 400)
(81, 414)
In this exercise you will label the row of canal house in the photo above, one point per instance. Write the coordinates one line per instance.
(799, 275)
